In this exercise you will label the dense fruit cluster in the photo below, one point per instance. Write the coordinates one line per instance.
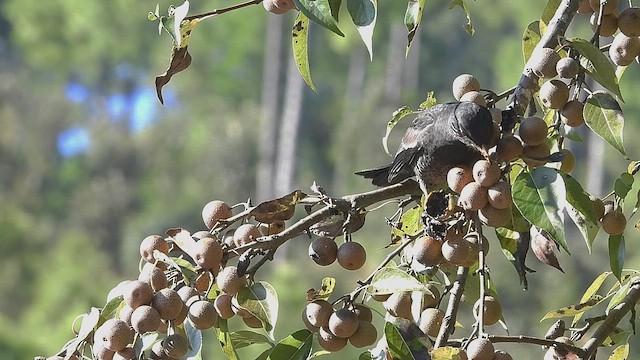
(336, 328)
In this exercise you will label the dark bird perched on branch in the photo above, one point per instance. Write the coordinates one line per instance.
(440, 137)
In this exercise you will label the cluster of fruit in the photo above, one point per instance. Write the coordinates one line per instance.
(350, 255)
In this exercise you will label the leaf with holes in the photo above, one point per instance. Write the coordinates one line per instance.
(468, 27)
(299, 42)
(320, 12)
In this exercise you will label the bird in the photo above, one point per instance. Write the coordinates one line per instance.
(439, 138)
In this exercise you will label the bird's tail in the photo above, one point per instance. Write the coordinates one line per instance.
(379, 176)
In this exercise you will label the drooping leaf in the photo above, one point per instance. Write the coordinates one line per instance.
(540, 196)
(260, 299)
(617, 336)
(570, 133)
(412, 19)
(335, 8)
(591, 290)
(547, 14)
(616, 255)
(410, 223)
(328, 284)
(623, 185)
(278, 209)
(580, 209)
(180, 60)
(244, 338)
(633, 167)
(296, 346)
(299, 43)
(109, 309)
(391, 279)
(320, 12)
(468, 27)
(181, 237)
(429, 101)
(619, 295)
(620, 353)
(604, 117)
(395, 118)
(544, 248)
(530, 38)
(508, 242)
(195, 342)
(445, 353)
(222, 333)
(597, 65)
(574, 309)
(89, 322)
(405, 340)
(364, 14)
(145, 342)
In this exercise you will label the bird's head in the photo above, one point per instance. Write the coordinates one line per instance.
(474, 125)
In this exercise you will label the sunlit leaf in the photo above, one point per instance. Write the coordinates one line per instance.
(222, 333)
(574, 310)
(618, 296)
(468, 27)
(597, 65)
(261, 300)
(405, 340)
(195, 342)
(410, 223)
(530, 38)
(320, 12)
(109, 310)
(296, 346)
(620, 353)
(244, 338)
(603, 115)
(328, 285)
(364, 14)
(395, 118)
(508, 242)
(390, 279)
(445, 353)
(299, 42)
(547, 14)
(429, 101)
(412, 19)
(278, 209)
(90, 321)
(580, 208)
(591, 290)
(616, 254)
(540, 196)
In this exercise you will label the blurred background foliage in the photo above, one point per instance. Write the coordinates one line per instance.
(91, 163)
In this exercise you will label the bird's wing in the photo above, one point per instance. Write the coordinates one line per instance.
(421, 125)
(403, 163)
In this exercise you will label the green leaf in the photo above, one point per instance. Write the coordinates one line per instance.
(468, 27)
(530, 38)
(320, 12)
(335, 8)
(195, 342)
(299, 42)
(364, 14)
(390, 279)
(616, 254)
(540, 196)
(580, 210)
(296, 346)
(620, 353)
(508, 242)
(398, 347)
(412, 19)
(623, 185)
(603, 115)
(410, 223)
(260, 299)
(618, 296)
(367, 355)
(617, 336)
(570, 133)
(574, 309)
(395, 118)
(222, 333)
(429, 101)
(547, 14)
(109, 310)
(446, 353)
(597, 65)
(89, 322)
(591, 290)
(328, 285)
(244, 338)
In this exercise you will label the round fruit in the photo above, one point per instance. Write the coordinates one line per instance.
(486, 173)
(214, 211)
(380, 297)
(456, 251)
(114, 334)
(609, 24)
(186, 293)
(229, 281)
(306, 322)
(584, 7)
(533, 131)
(463, 84)
(427, 251)
(568, 162)
(318, 313)
(475, 246)
(430, 321)
(202, 282)
(184, 312)
(323, 251)
(571, 113)
(508, 148)
(175, 345)
(473, 197)
(150, 243)
(343, 323)
(245, 234)
(145, 319)
(567, 68)
(629, 21)
(499, 195)
(598, 206)
(431, 299)
(351, 255)
(543, 62)
(501, 355)
(168, 304)
(494, 217)
(102, 353)
(536, 155)
(125, 314)
(474, 97)
(207, 253)
(458, 177)
(399, 304)
(223, 306)
(137, 293)
(330, 342)
(624, 49)
(614, 222)
(496, 115)
(609, 7)
(363, 312)
(252, 322)
(366, 335)
(202, 314)
(128, 353)
(480, 349)
(554, 94)
(492, 310)
(153, 276)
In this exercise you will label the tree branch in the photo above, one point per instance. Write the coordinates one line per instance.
(449, 322)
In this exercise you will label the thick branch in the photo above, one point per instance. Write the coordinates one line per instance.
(614, 317)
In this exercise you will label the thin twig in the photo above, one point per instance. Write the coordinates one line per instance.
(449, 321)
(215, 12)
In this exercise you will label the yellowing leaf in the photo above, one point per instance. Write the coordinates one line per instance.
(574, 309)
(299, 42)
